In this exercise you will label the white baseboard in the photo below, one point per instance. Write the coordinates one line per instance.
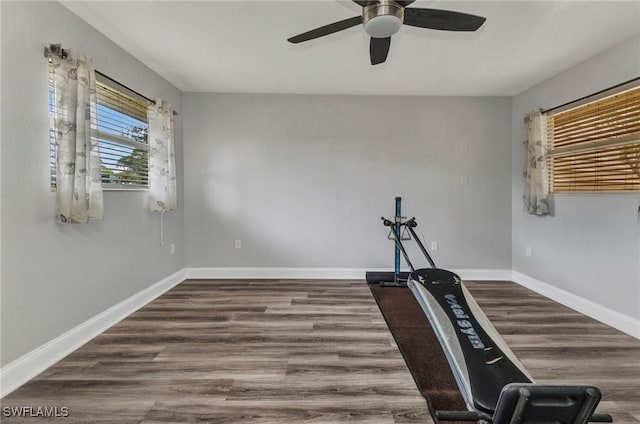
(23, 369)
(275, 273)
(484, 274)
(615, 319)
(323, 273)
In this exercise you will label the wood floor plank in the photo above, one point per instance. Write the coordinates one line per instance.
(207, 370)
(240, 412)
(51, 391)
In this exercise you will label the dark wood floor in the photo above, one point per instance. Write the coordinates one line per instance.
(305, 351)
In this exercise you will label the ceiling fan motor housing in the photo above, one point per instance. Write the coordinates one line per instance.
(382, 19)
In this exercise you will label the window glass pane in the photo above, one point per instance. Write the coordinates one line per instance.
(123, 148)
(52, 135)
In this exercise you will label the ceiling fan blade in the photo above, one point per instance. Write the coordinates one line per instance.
(404, 3)
(379, 49)
(326, 30)
(442, 19)
(364, 3)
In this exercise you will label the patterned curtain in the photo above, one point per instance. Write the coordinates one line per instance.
(162, 164)
(78, 176)
(536, 169)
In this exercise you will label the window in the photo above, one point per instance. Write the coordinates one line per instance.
(122, 135)
(595, 147)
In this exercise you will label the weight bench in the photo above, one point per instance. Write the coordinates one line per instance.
(494, 384)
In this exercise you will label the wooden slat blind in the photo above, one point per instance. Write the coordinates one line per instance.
(596, 146)
(119, 100)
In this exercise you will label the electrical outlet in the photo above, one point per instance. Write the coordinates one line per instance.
(464, 180)
(528, 251)
(238, 244)
(172, 248)
(434, 246)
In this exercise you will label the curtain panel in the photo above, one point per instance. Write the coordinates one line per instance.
(162, 164)
(79, 195)
(536, 168)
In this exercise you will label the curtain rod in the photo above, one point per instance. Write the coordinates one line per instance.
(59, 51)
(582, 99)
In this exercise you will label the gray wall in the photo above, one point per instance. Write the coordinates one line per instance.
(591, 246)
(302, 180)
(55, 277)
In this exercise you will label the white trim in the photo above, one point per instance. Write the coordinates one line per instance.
(234, 273)
(484, 274)
(26, 367)
(322, 273)
(624, 323)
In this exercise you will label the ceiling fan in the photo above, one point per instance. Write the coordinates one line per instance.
(383, 18)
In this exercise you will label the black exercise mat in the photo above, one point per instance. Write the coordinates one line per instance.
(419, 347)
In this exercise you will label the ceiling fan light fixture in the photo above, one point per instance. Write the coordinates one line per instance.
(383, 26)
(383, 19)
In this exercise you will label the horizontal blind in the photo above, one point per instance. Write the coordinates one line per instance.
(596, 146)
(52, 133)
(122, 136)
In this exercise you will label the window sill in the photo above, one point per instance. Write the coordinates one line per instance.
(597, 193)
(125, 188)
(53, 189)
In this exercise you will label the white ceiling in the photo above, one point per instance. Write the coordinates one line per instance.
(240, 46)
